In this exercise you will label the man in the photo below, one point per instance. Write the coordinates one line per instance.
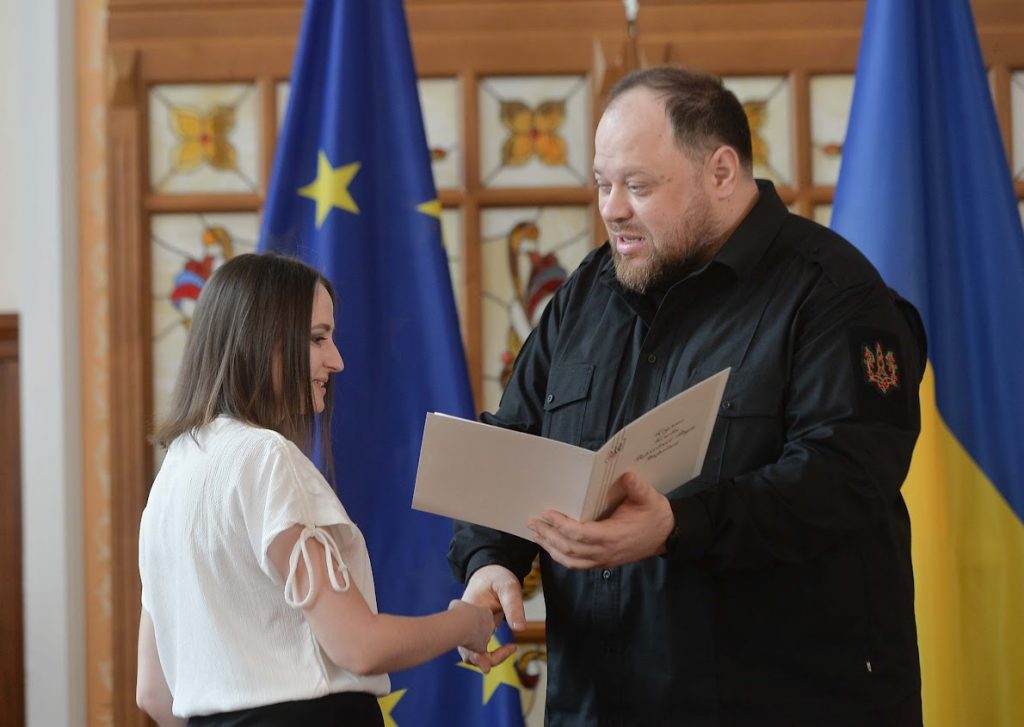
(776, 588)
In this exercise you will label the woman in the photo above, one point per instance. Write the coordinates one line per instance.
(258, 599)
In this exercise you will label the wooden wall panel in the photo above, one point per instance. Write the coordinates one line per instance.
(131, 465)
(12, 670)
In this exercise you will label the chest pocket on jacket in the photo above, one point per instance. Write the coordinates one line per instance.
(751, 426)
(565, 402)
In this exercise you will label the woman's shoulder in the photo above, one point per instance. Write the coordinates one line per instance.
(266, 450)
(239, 445)
(227, 432)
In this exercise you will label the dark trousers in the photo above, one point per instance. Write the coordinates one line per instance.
(344, 709)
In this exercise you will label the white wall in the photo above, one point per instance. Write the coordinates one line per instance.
(10, 253)
(44, 177)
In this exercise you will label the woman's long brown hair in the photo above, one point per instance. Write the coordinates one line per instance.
(252, 318)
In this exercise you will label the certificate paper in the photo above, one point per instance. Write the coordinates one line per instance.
(501, 478)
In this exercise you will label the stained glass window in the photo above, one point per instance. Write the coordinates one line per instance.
(204, 138)
(1017, 113)
(526, 253)
(766, 101)
(439, 100)
(830, 110)
(534, 131)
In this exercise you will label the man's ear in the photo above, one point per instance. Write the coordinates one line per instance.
(724, 169)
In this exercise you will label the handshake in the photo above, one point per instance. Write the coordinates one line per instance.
(493, 594)
(480, 623)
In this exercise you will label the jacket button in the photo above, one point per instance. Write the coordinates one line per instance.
(652, 358)
(550, 398)
(727, 405)
(606, 574)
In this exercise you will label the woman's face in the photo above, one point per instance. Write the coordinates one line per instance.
(324, 357)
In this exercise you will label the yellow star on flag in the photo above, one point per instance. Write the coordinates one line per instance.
(431, 208)
(387, 703)
(504, 673)
(330, 188)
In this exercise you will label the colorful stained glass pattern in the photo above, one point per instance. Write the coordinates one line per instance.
(185, 250)
(451, 235)
(1017, 115)
(204, 138)
(830, 110)
(442, 116)
(534, 131)
(766, 101)
(526, 254)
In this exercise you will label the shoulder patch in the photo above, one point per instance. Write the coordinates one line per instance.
(881, 369)
(883, 391)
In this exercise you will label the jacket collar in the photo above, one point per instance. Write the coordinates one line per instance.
(747, 245)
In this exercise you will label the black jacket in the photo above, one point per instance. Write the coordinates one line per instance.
(788, 598)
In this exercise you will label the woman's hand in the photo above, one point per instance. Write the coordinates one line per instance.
(480, 624)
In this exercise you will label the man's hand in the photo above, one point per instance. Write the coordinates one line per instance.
(498, 589)
(635, 530)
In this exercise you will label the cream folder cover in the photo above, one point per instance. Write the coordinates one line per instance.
(501, 478)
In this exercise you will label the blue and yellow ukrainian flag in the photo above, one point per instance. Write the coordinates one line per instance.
(925, 192)
(352, 193)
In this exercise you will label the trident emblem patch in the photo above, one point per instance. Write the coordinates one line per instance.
(880, 368)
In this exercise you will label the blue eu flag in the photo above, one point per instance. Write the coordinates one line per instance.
(352, 194)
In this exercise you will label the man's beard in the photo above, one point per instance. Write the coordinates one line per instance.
(666, 264)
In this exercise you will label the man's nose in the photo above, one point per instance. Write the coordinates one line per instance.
(615, 205)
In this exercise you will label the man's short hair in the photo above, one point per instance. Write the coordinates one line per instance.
(704, 114)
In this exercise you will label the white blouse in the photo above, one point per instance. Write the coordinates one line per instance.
(229, 631)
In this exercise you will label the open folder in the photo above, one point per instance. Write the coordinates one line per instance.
(501, 478)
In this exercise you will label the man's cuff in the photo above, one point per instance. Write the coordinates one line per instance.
(691, 537)
(487, 556)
